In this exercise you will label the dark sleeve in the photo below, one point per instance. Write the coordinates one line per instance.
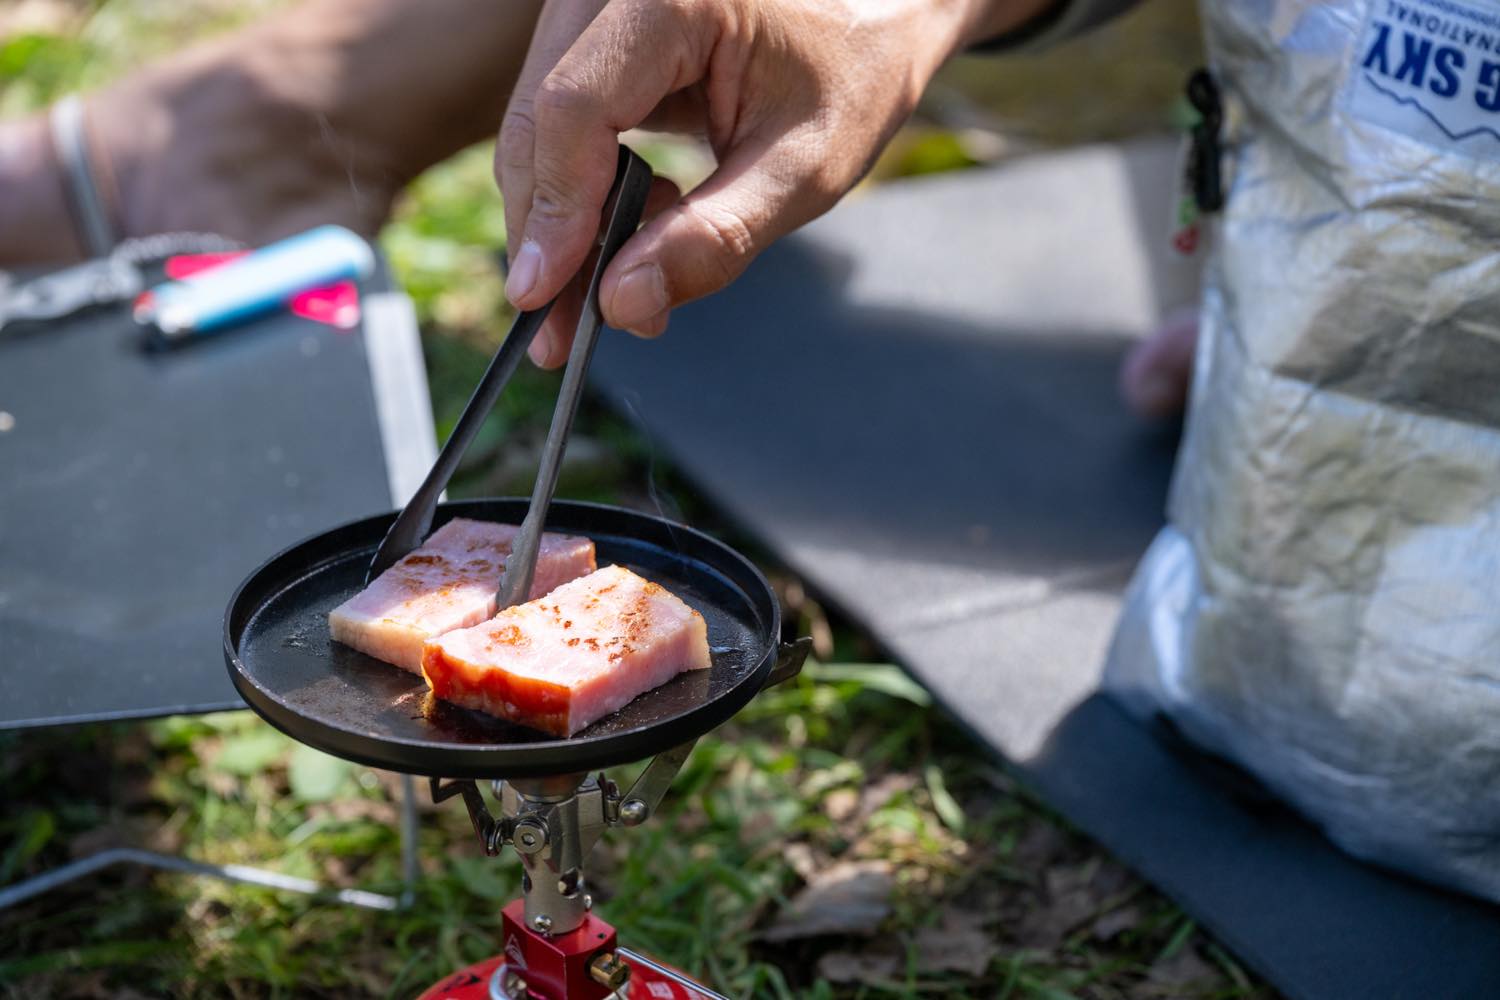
(1063, 20)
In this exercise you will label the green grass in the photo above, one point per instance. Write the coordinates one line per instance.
(849, 764)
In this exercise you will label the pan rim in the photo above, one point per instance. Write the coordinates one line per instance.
(728, 566)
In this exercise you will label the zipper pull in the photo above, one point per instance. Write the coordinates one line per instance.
(1200, 189)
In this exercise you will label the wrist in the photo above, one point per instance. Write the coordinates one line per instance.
(915, 37)
(954, 26)
(35, 223)
(989, 20)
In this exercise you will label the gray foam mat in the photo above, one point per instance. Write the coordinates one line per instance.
(913, 404)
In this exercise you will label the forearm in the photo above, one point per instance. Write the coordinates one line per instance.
(35, 225)
(413, 82)
(375, 90)
(320, 113)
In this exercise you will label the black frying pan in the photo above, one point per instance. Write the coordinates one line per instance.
(339, 700)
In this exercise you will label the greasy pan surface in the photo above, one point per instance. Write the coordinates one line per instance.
(336, 699)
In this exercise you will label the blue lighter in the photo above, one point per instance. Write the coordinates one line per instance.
(255, 283)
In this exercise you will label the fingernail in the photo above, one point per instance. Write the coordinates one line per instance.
(523, 274)
(540, 349)
(639, 297)
(653, 327)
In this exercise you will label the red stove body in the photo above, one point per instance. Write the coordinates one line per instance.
(557, 968)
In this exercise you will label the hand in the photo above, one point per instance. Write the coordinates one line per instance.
(1155, 375)
(795, 97)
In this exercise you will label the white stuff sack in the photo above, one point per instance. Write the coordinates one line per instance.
(1324, 607)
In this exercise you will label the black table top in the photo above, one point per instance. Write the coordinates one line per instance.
(137, 490)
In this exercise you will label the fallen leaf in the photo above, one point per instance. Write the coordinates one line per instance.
(421, 797)
(1113, 881)
(96, 985)
(880, 792)
(347, 809)
(100, 838)
(221, 783)
(1072, 895)
(205, 911)
(135, 790)
(1065, 880)
(758, 826)
(839, 805)
(1116, 922)
(988, 897)
(1066, 903)
(803, 860)
(167, 837)
(852, 897)
(343, 872)
(1175, 975)
(958, 944)
(1039, 846)
(872, 968)
(689, 822)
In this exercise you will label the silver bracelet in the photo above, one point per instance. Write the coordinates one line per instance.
(89, 217)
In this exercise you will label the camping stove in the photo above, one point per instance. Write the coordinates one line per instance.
(554, 803)
(555, 947)
(347, 703)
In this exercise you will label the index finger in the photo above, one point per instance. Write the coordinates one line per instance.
(558, 26)
(633, 55)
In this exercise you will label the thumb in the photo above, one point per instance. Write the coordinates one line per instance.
(572, 172)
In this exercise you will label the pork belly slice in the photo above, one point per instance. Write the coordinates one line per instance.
(562, 662)
(448, 583)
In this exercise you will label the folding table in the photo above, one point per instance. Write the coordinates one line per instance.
(138, 487)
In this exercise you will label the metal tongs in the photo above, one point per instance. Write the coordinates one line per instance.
(624, 207)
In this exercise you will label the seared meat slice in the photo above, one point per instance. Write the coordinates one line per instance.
(568, 659)
(448, 583)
